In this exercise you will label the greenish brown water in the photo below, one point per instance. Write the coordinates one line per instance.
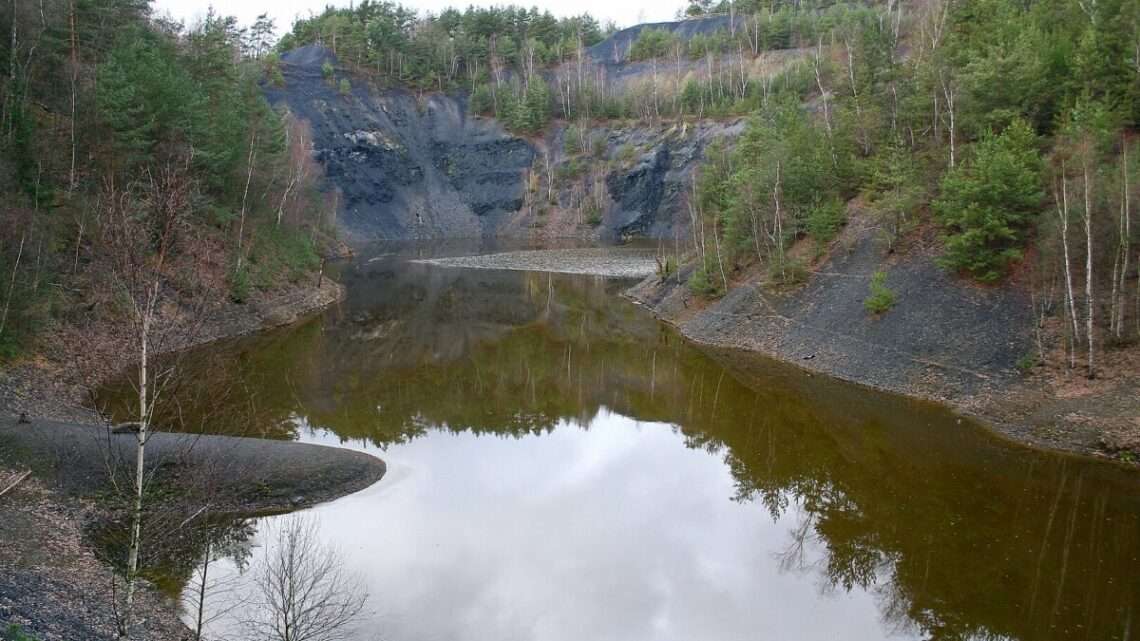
(562, 466)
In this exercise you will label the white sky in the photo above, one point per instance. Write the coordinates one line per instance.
(624, 12)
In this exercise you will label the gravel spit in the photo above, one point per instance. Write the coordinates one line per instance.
(599, 261)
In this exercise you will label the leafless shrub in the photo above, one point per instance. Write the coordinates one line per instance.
(304, 592)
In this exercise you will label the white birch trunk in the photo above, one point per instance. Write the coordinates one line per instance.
(1089, 274)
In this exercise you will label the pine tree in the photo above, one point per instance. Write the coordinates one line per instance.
(987, 203)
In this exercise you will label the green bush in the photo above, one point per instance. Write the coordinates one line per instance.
(345, 87)
(240, 285)
(327, 69)
(482, 101)
(652, 43)
(987, 203)
(793, 272)
(598, 146)
(525, 109)
(825, 219)
(272, 67)
(593, 212)
(717, 42)
(882, 298)
(569, 170)
(219, 216)
(280, 253)
(703, 284)
(16, 633)
(572, 141)
(1027, 362)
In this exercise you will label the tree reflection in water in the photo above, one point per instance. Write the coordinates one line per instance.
(957, 534)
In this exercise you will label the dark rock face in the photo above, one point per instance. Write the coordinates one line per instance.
(648, 198)
(405, 167)
(638, 193)
(615, 49)
(409, 167)
(486, 173)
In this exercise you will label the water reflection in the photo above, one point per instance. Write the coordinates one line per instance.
(562, 466)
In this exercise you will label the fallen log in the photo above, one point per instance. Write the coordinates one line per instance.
(13, 484)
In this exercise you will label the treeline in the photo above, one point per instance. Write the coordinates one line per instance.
(1002, 123)
(714, 74)
(752, 29)
(450, 50)
(526, 67)
(126, 138)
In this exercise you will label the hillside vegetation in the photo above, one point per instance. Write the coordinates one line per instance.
(133, 144)
(1006, 126)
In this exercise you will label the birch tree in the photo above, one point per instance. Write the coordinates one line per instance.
(1084, 138)
(143, 223)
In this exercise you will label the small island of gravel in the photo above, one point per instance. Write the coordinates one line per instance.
(612, 262)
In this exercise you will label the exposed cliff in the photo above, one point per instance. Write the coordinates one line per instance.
(615, 182)
(407, 166)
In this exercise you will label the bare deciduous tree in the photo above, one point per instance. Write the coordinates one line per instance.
(142, 225)
(305, 592)
(226, 540)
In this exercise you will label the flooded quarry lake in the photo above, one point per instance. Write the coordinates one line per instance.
(562, 466)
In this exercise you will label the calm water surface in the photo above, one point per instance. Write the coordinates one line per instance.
(561, 466)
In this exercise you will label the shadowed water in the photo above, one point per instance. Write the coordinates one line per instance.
(562, 466)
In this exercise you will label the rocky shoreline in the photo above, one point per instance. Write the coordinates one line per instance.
(53, 583)
(53, 586)
(70, 360)
(948, 343)
(1102, 421)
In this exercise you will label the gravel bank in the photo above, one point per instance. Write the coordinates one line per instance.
(610, 262)
(244, 475)
(946, 340)
(53, 583)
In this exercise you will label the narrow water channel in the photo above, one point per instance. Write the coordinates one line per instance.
(563, 466)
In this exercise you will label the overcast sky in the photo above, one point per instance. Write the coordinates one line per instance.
(624, 12)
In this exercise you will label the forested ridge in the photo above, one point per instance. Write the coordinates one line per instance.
(130, 143)
(1004, 127)
(1007, 127)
